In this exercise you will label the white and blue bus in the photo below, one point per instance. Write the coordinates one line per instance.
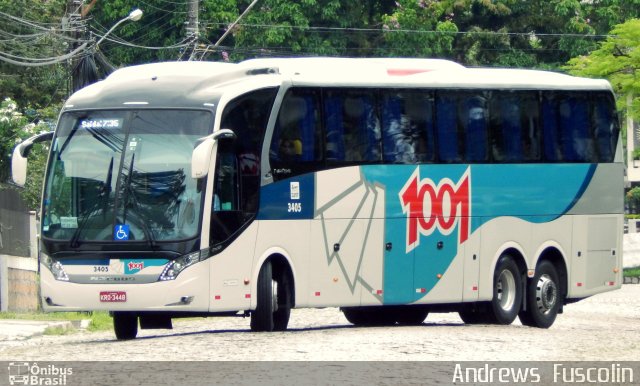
(390, 188)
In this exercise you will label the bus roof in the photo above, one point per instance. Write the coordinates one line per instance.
(418, 73)
(184, 84)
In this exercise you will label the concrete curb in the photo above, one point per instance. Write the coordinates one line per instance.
(631, 280)
(17, 329)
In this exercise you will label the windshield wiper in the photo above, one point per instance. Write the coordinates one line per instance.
(129, 192)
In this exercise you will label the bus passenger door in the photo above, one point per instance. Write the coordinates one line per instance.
(234, 200)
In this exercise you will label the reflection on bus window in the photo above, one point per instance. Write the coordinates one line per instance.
(514, 121)
(352, 127)
(407, 127)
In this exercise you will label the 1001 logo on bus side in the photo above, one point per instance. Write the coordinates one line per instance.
(429, 207)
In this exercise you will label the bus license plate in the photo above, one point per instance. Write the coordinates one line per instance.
(113, 296)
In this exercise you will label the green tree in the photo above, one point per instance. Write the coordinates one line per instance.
(423, 28)
(604, 15)
(618, 60)
(513, 33)
(31, 30)
(161, 33)
(14, 128)
(310, 27)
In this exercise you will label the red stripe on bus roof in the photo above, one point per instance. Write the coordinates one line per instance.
(405, 71)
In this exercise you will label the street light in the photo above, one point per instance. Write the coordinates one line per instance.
(135, 15)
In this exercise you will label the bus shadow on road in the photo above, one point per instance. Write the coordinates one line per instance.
(292, 330)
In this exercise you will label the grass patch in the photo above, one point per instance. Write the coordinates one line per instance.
(59, 330)
(631, 272)
(100, 321)
(46, 316)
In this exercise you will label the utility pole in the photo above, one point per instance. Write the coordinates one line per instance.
(192, 22)
(72, 23)
(193, 27)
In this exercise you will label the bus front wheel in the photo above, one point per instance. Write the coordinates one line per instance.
(543, 297)
(125, 325)
(273, 306)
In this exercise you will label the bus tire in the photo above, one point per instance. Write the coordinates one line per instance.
(544, 298)
(474, 316)
(284, 299)
(273, 306)
(411, 316)
(355, 316)
(125, 325)
(370, 316)
(507, 292)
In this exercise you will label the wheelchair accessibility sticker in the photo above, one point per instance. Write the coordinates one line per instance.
(121, 232)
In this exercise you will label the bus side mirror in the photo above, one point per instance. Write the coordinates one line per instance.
(20, 154)
(201, 156)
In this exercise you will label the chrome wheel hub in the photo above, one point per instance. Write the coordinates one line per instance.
(506, 290)
(546, 294)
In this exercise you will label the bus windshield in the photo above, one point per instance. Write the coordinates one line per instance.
(124, 176)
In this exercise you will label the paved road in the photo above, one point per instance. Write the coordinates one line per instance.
(604, 327)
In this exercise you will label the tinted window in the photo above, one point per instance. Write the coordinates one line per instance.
(407, 127)
(514, 126)
(297, 142)
(605, 126)
(238, 164)
(579, 127)
(461, 122)
(352, 127)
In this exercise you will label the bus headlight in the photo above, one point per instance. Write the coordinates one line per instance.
(173, 269)
(55, 267)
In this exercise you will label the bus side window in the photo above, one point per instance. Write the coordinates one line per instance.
(352, 127)
(550, 129)
(295, 144)
(334, 148)
(407, 127)
(604, 127)
(576, 139)
(514, 126)
(447, 128)
(473, 117)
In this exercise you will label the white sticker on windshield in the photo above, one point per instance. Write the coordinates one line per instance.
(68, 222)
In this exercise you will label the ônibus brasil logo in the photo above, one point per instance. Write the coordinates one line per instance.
(429, 207)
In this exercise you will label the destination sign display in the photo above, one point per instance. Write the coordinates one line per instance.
(101, 123)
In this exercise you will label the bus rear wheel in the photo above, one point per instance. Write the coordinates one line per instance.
(370, 316)
(543, 297)
(411, 316)
(507, 292)
(125, 325)
(476, 315)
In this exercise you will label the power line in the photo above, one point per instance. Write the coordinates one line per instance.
(180, 44)
(48, 61)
